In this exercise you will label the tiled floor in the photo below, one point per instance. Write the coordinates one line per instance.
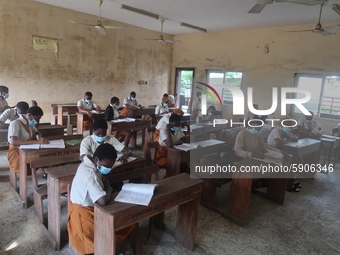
(308, 223)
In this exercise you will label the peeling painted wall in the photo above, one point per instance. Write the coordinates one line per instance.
(267, 57)
(107, 66)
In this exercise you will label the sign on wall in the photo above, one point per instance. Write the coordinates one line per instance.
(44, 43)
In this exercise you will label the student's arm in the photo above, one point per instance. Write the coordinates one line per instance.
(84, 111)
(168, 141)
(107, 188)
(96, 107)
(3, 117)
(126, 153)
(16, 142)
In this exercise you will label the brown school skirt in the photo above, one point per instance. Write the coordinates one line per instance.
(87, 124)
(13, 158)
(80, 226)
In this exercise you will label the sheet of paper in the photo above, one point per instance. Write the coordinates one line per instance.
(118, 163)
(54, 144)
(140, 194)
(30, 146)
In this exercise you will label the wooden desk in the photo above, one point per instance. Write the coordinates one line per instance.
(307, 148)
(65, 108)
(209, 129)
(180, 190)
(196, 133)
(50, 130)
(134, 125)
(26, 156)
(177, 157)
(57, 180)
(81, 117)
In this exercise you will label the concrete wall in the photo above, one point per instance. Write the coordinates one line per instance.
(107, 66)
(244, 51)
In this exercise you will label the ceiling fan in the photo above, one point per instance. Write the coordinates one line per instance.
(99, 26)
(318, 27)
(262, 3)
(161, 39)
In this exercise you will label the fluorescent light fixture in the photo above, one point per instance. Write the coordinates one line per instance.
(193, 27)
(133, 9)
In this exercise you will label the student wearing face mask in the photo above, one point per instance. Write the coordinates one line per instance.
(196, 106)
(86, 105)
(20, 132)
(12, 114)
(130, 103)
(169, 135)
(249, 143)
(162, 107)
(89, 186)
(3, 96)
(309, 128)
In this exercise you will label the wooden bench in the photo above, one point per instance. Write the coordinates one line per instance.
(180, 190)
(54, 115)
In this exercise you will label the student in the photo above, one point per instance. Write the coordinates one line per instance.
(169, 136)
(309, 128)
(12, 114)
(162, 107)
(90, 143)
(277, 138)
(20, 132)
(131, 102)
(164, 121)
(172, 100)
(88, 187)
(3, 96)
(212, 113)
(86, 105)
(112, 113)
(196, 106)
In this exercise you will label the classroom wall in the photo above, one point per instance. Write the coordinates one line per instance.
(245, 50)
(107, 66)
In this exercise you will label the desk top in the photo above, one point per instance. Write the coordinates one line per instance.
(302, 143)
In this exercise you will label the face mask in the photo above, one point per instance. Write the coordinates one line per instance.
(87, 101)
(308, 121)
(132, 98)
(286, 129)
(209, 113)
(32, 122)
(176, 129)
(200, 97)
(165, 105)
(253, 131)
(99, 139)
(117, 107)
(6, 96)
(103, 169)
(19, 115)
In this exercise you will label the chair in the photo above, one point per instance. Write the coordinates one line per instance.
(40, 191)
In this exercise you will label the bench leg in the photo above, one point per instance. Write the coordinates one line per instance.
(13, 180)
(38, 206)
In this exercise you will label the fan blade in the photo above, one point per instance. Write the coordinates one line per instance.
(100, 30)
(322, 32)
(114, 27)
(293, 31)
(151, 39)
(169, 41)
(336, 27)
(81, 23)
(256, 9)
(162, 41)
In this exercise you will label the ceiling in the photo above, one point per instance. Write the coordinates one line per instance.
(214, 15)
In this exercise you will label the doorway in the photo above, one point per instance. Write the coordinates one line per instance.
(183, 87)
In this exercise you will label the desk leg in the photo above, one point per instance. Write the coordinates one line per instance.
(23, 182)
(53, 191)
(277, 189)
(104, 241)
(80, 124)
(239, 199)
(187, 216)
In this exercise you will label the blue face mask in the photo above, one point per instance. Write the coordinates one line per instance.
(87, 101)
(19, 115)
(99, 139)
(286, 129)
(103, 169)
(117, 107)
(253, 131)
(5, 96)
(176, 129)
(32, 122)
(165, 105)
(132, 98)
(209, 113)
(308, 121)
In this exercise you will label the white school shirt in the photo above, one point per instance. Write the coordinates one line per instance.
(163, 121)
(3, 103)
(161, 109)
(313, 124)
(176, 137)
(196, 105)
(275, 133)
(17, 128)
(87, 185)
(89, 144)
(9, 115)
(87, 107)
(129, 102)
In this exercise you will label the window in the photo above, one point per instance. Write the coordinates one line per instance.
(325, 91)
(223, 77)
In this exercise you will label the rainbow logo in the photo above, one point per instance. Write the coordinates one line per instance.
(206, 91)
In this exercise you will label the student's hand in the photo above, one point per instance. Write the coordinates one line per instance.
(89, 114)
(257, 154)
(43, 141)
(122, 159)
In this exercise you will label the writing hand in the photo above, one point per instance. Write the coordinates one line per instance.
(122, 159)
(43, 141)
